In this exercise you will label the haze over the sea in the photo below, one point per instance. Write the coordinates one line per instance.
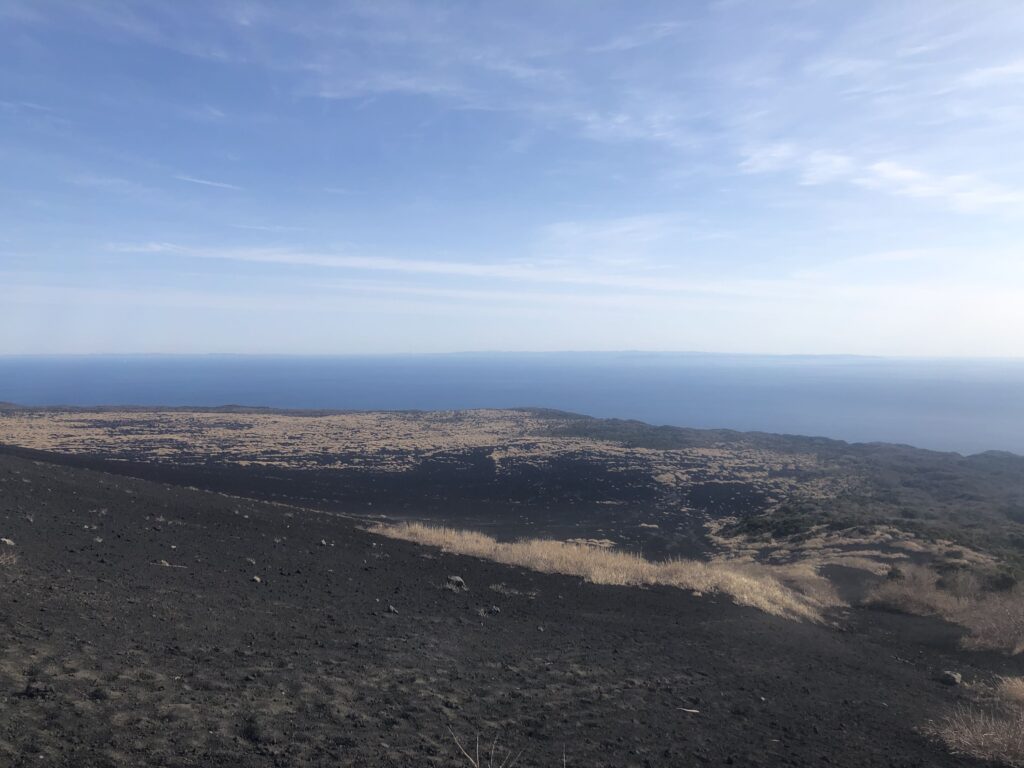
(957, 405)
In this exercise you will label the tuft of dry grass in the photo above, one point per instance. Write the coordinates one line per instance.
(915, 590)
(803, 577)
(1011, 689)
(994, 732)
(995, 620)
(989, 734)
(745, 585)
(8, 559)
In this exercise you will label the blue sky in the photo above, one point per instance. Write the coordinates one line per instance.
(734, 176)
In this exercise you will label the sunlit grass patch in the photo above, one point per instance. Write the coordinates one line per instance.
(745, 585)
(995, 734)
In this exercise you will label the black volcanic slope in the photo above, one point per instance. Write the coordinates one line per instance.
(135, 634)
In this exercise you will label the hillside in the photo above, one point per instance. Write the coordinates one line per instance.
(158, 625)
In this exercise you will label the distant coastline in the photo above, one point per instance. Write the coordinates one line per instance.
(967, 406)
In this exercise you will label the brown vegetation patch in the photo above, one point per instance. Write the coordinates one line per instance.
(1012, 689)
(994, 619)
(744, 585)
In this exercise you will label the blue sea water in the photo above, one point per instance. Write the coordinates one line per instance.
(956, 405)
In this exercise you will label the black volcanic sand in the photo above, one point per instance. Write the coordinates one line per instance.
(349, 651)
(576, 496)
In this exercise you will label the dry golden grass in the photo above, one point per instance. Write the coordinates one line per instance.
(745, 585)
(915, 591)
(8, 559)
(803, 577)
(989, 734)
(992, 731)
(995, 620)
(396, 442)
(1011, 689)
(872, 549)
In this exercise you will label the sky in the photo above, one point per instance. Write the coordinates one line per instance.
(765, 176)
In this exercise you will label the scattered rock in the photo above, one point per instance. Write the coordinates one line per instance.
(250, 561)
(947, 677)
(8, 542)
(34, 690)
(323, 542)
(456, 584)
(99, 694)
(392, 609)
(257, 579)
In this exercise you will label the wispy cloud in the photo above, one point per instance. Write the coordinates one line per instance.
(18, 106)
(767, 158)
(641, 244)
(1009, 73)
(967, 193)
(357, 295)
(268, 227)
(203, 114)
(642, 36)
(20, 10)
(963, 192)
(115, 184)
(207, 182)
(822, 167)
(549, 272)
(857, 277)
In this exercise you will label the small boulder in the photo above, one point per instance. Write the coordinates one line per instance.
(257, 579)
(948, 677)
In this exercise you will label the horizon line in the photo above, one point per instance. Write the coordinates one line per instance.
(512, 353)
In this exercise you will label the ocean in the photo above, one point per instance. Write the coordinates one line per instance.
(951, 405)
